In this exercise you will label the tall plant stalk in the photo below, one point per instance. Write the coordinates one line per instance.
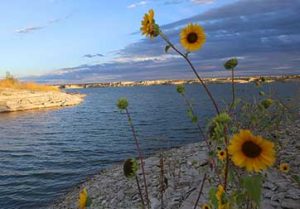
(162, 184)
(187, 102)
(193, 69)
(140, 191)
(233, 89)
(200, 192)
(140, 155)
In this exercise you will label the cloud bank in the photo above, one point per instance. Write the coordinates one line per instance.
(264, 34)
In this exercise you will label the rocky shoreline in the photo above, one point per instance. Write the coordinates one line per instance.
(176, 82)
(184, 172)
(19, 100)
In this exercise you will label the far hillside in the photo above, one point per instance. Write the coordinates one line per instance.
(10, 82)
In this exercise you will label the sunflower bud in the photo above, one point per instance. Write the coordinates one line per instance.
(284, 167)
(180, 89)
(130, 167)
(267, 103)
(230, 64)
(122, 103)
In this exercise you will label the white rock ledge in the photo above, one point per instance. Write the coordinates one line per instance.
(19, 100)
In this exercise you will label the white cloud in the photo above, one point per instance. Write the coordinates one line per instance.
(141, 3)
(160, 58)
(29, 29)
(202, 1)
(34, 28)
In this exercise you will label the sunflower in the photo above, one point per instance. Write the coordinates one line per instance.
(252, 152)
(220, 197)
(221, 155)
(206, 206)
(192, 37)
(284, 167)
(130, 167)
(219, 193)
(149, 28)
(83, 198)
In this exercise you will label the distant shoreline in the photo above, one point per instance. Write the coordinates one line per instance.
(249, 79)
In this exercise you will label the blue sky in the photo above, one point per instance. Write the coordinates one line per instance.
(98, 40)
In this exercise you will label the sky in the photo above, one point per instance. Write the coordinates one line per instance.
(63, 41)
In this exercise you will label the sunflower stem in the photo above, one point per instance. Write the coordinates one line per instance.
(140, 155)
(193, 69)
(200, 192)
(187, 102)
(140, 191)
(162, 177)
(211, 161)
(227, 158)
(233, 90)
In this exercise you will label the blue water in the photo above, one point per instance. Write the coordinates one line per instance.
(44, 153)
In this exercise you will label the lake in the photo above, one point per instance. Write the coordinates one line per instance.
(44, 153)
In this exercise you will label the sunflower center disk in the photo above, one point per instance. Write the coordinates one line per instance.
(251, 149)
(192, 37)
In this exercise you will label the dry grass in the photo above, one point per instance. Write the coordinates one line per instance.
(13, 83)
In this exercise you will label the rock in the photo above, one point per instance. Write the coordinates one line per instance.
(290, 204)
(19, 100)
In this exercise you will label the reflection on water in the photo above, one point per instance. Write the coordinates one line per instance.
(43, 153)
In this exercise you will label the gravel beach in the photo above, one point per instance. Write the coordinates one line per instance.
(184, 169)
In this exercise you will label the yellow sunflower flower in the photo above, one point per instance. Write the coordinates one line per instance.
(284, 167)
(251, 152)
(221, 155)
(219, 193)
(220, 197)
(223, 206)
(206, 206)
(192, 37)
(149, 28)
(83, 197)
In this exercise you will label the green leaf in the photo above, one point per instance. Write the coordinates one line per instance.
(167, 48)
(238, 198)
(190, 113)
(230, 64)
(88, 201)
(261, 93)
(194, 119)
(222, 118)
(212, 197)
(296, 178)
(253, 185)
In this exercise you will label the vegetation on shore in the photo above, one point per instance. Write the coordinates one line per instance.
(10, 82)
(242, 138)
